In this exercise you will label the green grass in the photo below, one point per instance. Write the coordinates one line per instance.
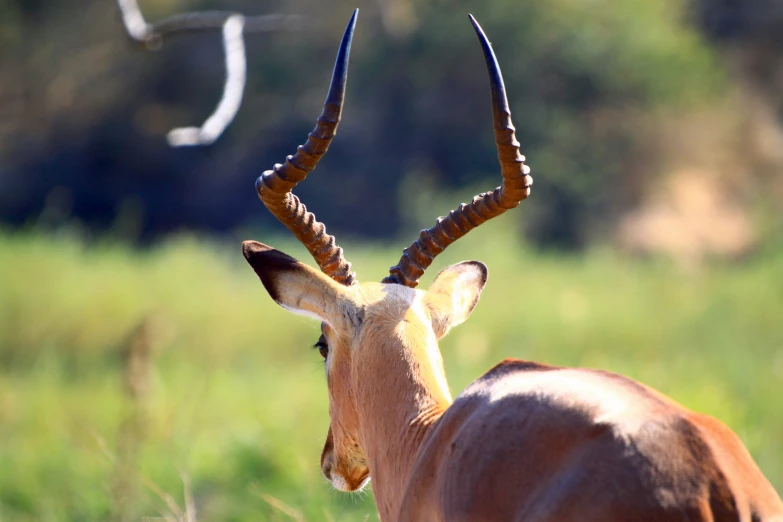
(237, 398)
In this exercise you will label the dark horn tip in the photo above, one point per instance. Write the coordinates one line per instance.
(352, 21)
(497, 88)
(340, 74)
(475, 24)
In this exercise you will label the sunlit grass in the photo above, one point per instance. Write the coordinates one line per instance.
(237, 398)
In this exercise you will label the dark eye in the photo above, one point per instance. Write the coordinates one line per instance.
(322, 346)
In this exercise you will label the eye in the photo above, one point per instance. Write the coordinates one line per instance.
(322, 346)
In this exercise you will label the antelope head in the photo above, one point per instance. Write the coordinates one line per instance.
(387, 329)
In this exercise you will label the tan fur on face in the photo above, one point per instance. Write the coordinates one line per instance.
(342, 461)
(370, 327)
(392, 317)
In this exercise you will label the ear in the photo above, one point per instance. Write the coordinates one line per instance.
(297, 287)
(454, 294)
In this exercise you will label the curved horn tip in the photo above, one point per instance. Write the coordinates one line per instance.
(340, 74)
(475, 23)
(352, 24)
(497, 87)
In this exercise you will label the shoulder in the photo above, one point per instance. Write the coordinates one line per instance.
(598, 396)
(518, 365)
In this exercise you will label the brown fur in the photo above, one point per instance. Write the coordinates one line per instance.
(525, 441)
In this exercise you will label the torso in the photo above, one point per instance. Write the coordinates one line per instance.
(539, 443)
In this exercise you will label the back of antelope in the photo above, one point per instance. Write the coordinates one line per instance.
(525, 441)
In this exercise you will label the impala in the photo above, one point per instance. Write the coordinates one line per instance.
(526, 441)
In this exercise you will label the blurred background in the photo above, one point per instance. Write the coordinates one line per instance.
(144, 372)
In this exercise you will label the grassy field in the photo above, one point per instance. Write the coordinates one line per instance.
(134, 383)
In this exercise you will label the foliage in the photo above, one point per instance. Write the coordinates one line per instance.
(86, 140)
(237, 400)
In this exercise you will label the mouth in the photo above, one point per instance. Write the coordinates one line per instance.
(363, 481)
(341, 484)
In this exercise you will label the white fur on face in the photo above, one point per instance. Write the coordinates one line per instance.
(305, 313)
(340, 484)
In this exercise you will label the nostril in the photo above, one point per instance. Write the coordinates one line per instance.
(326, 469)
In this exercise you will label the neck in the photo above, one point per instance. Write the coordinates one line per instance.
(398, 407)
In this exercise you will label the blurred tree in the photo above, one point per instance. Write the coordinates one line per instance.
(89, 111)
(749, 36)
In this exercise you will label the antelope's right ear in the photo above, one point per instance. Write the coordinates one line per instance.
(291, 284)
(454, 294)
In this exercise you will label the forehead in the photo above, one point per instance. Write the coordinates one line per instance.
(389, 305)
(388, 300)
(378, 294)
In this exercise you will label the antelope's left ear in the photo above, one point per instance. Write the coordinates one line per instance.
(454, 294)
(297, 287)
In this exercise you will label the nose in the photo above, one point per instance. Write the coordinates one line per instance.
(327, 463)
(327, 456)
(326, 469)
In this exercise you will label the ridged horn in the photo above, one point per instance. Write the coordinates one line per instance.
(274, 186)
(515, 187)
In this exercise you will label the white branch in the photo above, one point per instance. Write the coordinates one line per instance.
(137, 27)
(233, 25)
(234, 88)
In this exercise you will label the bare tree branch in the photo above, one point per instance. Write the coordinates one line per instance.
(207, 20)
(233, 25)
(233, 89)
(137, 27)
(150, 34)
